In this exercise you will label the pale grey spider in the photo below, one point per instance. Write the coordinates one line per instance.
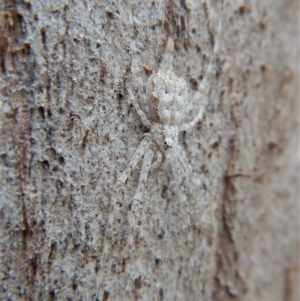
(167, 105)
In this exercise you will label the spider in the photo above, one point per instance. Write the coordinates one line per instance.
(167, 105)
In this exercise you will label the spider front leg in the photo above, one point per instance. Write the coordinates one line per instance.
(148, 156)
(180, 154)
(142, 148)
(136, 157)
(144, 145)
(158, 160)
(186, 170)
(175, 168)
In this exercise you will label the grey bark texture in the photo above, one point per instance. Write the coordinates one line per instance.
(68, 130)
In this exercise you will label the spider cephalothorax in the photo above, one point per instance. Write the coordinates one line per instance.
(164, 136)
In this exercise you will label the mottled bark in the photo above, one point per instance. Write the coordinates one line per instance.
(68, 131)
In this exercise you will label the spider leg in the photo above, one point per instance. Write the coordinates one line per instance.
(191, 124)
(187, 167)
(136, 157)
(175, 168)
(142, 148)
(174, 162)
(135, 71)
(143, 116)
(167, 61)
(148, 156)
(138, 79)
(204, 82)
(157, 162)
(111, 216)
(188, 173)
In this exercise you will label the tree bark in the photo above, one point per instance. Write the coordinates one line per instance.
(68, 130)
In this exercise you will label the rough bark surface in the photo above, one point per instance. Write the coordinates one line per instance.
(68, 131)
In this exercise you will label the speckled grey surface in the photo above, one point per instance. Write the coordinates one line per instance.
(68, 131)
